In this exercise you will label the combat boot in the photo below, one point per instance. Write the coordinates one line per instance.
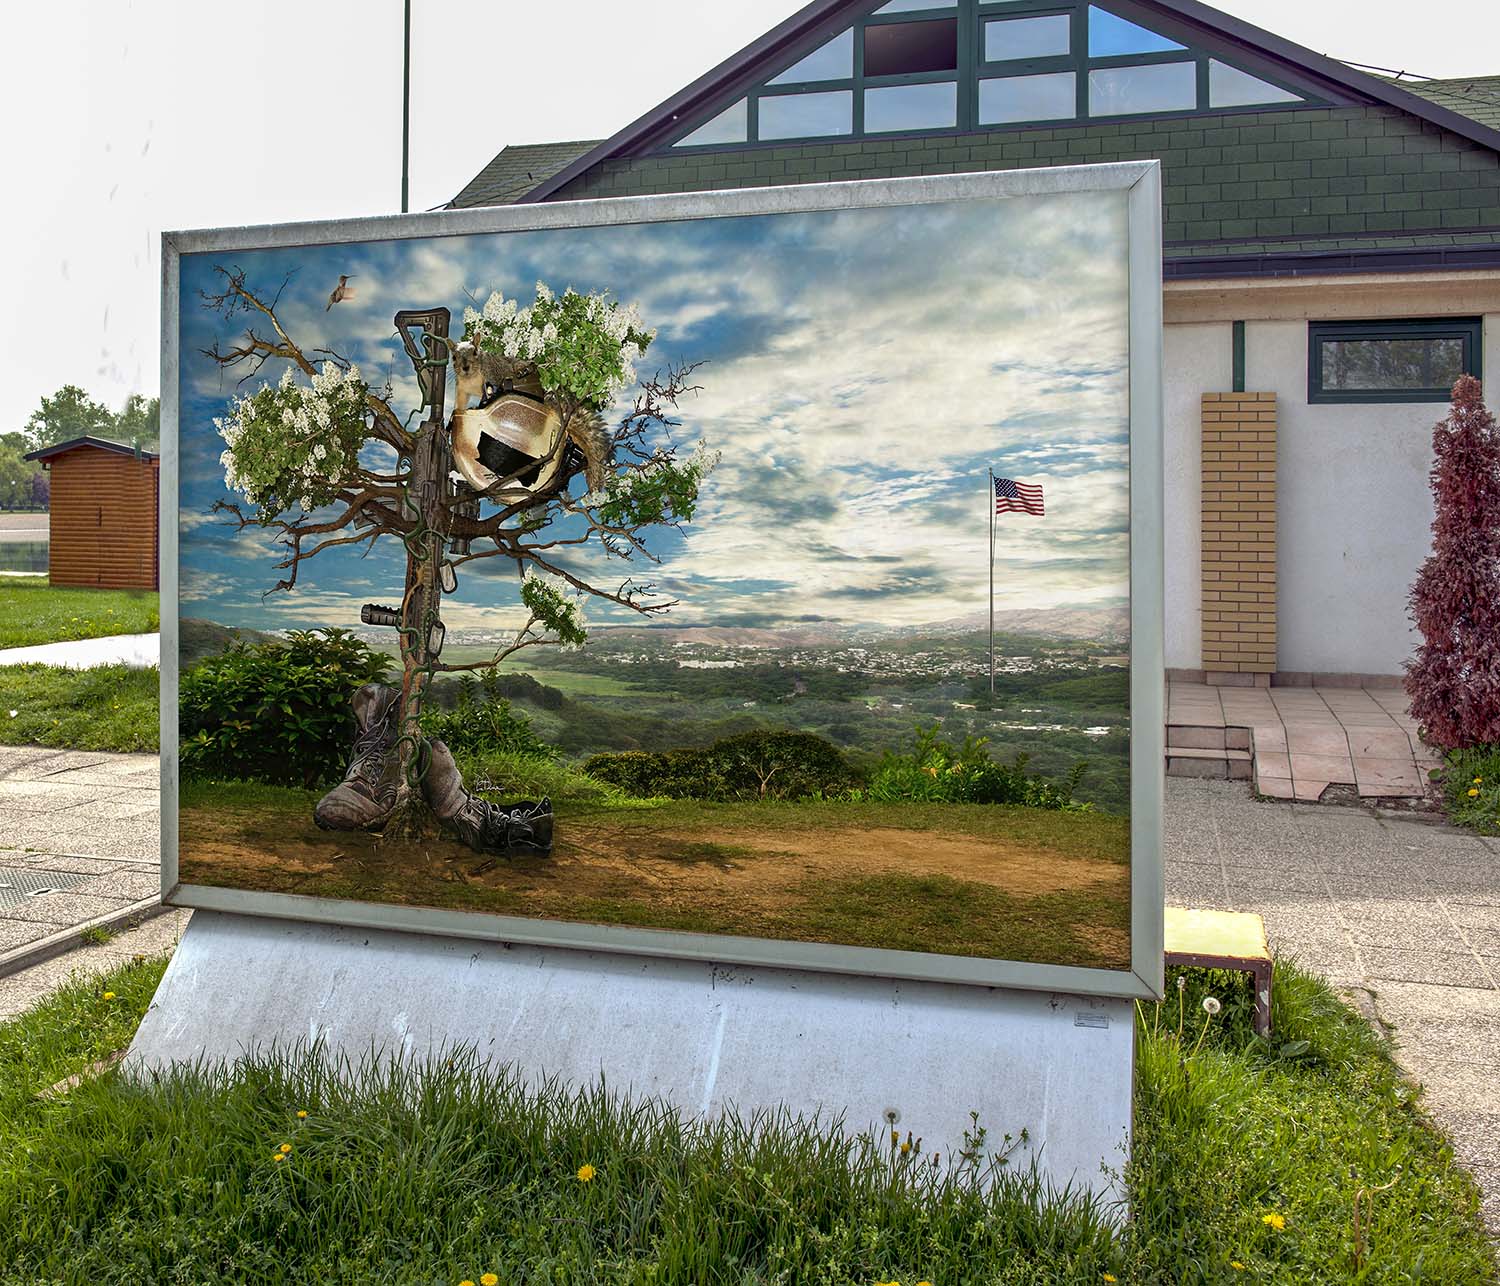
(367, 795)
(524, 827)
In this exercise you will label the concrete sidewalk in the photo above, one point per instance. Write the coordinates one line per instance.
(1405, 912)
(136, 650)
(79, 846)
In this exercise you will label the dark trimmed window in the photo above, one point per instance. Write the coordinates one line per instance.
(1391, 361)
(930, 66)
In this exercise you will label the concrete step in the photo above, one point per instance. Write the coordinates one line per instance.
(1197, 736)
(1219, 764)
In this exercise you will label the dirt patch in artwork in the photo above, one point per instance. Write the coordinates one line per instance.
(811, 875)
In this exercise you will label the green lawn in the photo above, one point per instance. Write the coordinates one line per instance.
(111, 707)
(32, 611)
(404, 1178)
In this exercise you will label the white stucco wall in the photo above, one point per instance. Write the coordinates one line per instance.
(1198, 359)
(1353, 510)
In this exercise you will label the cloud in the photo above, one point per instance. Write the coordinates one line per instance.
(863, 370)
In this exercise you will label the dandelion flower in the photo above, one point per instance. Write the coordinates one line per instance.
(586, 1173)
(488, 1279)
(1274, 1220)
(1236, 1265)
(302, 1114)
(278, 1156)
(1211, 1006)
(285, 1148)
(1110, 1277)
(1473, 791)
(905, 1148)
(1477, 780)
(109, 995)
(467, 1281)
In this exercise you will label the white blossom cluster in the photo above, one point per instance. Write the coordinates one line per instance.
(291, 440)
(531, 334)
(505, 327)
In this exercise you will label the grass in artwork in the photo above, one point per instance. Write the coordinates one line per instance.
(978, 880)
(1249, 1159)
(34, 611)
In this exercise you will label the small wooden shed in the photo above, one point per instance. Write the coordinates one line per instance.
(105, 498)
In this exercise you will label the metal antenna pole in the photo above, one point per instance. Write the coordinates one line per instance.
(406, 113)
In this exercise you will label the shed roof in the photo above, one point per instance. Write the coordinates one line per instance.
(103, 444)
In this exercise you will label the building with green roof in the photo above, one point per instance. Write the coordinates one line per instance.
(1331, 263)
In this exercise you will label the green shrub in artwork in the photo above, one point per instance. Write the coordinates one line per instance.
(481, 723)
(276, 712)
(770, 764)
(939, 772)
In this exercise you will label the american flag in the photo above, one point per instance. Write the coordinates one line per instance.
(1018, 497)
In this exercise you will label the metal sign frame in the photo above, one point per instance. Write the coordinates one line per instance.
(1140, 183)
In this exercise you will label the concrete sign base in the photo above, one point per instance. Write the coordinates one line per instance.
(918, 1056)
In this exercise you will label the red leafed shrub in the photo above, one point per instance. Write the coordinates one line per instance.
(1454, 678)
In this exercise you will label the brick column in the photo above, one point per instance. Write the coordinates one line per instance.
(1239, 537)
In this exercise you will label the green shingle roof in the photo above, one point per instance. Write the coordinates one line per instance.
(517, 169)
(1477, 97)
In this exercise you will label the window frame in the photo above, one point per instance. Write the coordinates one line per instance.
(1468, 329)
(973, 68)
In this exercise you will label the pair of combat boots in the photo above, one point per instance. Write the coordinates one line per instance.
(367, 795)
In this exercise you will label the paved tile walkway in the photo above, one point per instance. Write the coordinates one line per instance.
(1407, 912)
(1305, 740)
(79, 839)
(136, 650)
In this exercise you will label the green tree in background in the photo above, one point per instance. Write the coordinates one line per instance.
(72, 413)
(139, 421)
(68, 413)
(16, 473)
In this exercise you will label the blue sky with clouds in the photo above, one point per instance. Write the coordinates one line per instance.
(861, 371)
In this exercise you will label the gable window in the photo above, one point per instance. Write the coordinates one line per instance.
(909, 48)
(807, 115)
(1044, 37)
(833, 61)
(1391, 361)
(1110, 36)
(1153, 87)
(1052, 97)
(929, 66)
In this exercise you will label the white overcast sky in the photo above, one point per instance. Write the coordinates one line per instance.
(127, 117)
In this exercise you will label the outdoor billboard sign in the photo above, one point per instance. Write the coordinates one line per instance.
(769, 576)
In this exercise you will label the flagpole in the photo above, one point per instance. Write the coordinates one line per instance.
(991, 500)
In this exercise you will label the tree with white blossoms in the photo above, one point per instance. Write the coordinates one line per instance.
(301, 452)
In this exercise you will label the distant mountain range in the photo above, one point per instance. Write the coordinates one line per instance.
(1109, 624)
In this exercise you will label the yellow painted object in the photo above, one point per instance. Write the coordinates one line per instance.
(1223, 940)
(1237, 935)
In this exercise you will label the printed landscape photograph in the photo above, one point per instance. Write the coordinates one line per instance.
(763, 575)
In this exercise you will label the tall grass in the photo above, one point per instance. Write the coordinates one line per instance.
(110, 707)
(396, 1176)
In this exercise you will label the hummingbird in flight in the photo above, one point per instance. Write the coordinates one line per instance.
(341, 292)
